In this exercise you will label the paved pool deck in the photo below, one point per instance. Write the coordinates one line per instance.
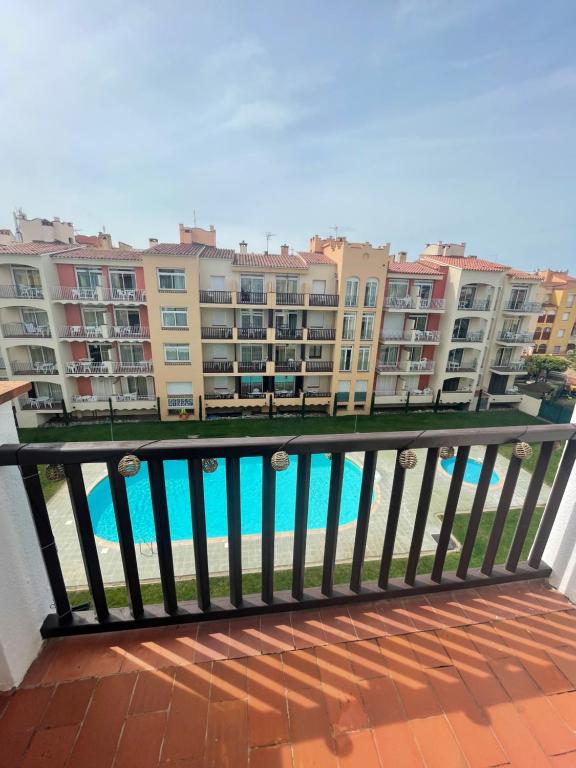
(62, 519)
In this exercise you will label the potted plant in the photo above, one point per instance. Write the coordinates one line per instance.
(183, 414)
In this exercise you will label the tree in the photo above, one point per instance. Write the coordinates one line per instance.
(537, 364)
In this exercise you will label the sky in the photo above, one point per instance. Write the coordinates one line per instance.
(401, 121)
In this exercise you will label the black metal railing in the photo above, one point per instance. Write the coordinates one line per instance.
(255, 332)
(253, 366)
(319, 366)
(218, 366)
(321, 334)
(65, 620)
(216, 332)
(215, 297)
(289, 366)
(290, 299)
(285, 333)
(251, 297)
(323, 299)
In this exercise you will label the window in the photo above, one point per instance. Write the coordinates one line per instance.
(252, 283)
(315, 352)
(319, 286)
(418, 322)
(364, 359)
(550, 318)
(349, 326)
(346, 359)
(121, 280)
(253, 354)
(177, 353)
(565, 316)
(23, 276)
(286, 284)
(284, 385)
(35, 317)
(367, 327)
(371, 292)
(397, 289)
(351, 296)
(171, 279)
(560, 334)
(132, 353)
(537, 333)
(88, 278)
(570, 299)
(179, 394)
(174, 317)
(94, 317)
(389, 356)
(556, 350)
(251, 318)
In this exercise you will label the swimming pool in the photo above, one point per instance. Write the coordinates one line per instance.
(178, 497)
(472, 471)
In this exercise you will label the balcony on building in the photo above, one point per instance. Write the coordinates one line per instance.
(216, 332)
(33, 361)
(462, 360)
(37, 326)
(18, 281)
(94, 285)
(42, 397)
(502, 365)
(469, 330)
(510, 337)
(521, 306)
(475, 297)
(218, 366)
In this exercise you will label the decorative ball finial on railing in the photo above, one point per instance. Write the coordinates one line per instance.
(523, 450)
(280, 461)
(55, 472)
(129, 465)
(209, 465)
(407, 459)
(447, 452)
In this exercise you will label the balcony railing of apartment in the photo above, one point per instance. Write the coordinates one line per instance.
(218, 366)
(475, 306)
(514, 338)
(98, 295)
(67, 621)
(216, 297)
(408, 302)
(175, 402)
(285, 333)
(23, 330)
(316, 393)
(21, 292)
(289, 366)
(254, 333)
(129, 332)
(41, 403)
(216, 332)
(283, 394)
(419, 365)
(219, 396)
(91, 367)
(321, 334)
(253, 366)
(251, 297)
(420, 337)
(22, 367)
(466, 367)
(323, 299)
(290, 299)
(2, 364)
(319, 366)
(523, 306)
(82, 332)
(475, 337)
(517, 365)
(128, 397)
(252, 394)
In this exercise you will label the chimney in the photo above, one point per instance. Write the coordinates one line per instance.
(243, 247)
(284, 250)
(401, 258)
(152, 241)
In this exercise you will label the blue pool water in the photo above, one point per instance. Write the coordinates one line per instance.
(472, 471)
(178, 497)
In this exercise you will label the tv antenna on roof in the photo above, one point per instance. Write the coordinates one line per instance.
(268, 235)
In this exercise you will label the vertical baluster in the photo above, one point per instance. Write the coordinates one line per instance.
(234, 529)
(125, 539)
(450, 512)
(81, 512)
(421, 514)
(333, 518)
(163, 538)
(392, 523)
(198, 511)
(556, 494)
(363, 520)
(268, 527)
(46, 540)
(501, 515)
(301, 525)
(477, 509)
(530, 502)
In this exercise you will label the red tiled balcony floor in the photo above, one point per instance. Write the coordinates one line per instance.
(470, 678)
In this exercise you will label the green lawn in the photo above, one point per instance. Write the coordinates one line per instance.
(390, 422)
(219, 585)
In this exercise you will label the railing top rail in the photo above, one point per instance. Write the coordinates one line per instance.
(50, 453)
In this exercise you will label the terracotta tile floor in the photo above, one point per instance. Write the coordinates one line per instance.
(474, 678)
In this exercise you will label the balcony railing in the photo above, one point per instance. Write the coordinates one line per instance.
(517, 365)
(469, 338)
(21, 292)
(254, 366)
(419, 365)
(283, 395)
(509, 337)
(321, 334)
(65, 620)
(323, 300)
(129, 332)
(25, 367)
(252, 394)
(289, 366)
(24, 330)
(290, 299)
(319, 366)
(284, 333)
(316, 393)
(219, 396)
(215, 297)
(181, 401)
(98, 295)
(94, 368)
(465, 367)
(254, 333)
(251, 297)
(130, 397)
(41, 403)
(216, 332)
(418, 337)
(475, 306)
(408, 302)
(523, 306)
(82, 332)
(218, 366)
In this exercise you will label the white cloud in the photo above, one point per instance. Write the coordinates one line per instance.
(266, 113)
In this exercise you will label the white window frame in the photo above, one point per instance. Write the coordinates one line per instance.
(345, 359)
(171, 273)
(349, 326)
(351, 292)
(176, 312)
(363, 359)
(366, 325)
(371, 292)
(176, 353)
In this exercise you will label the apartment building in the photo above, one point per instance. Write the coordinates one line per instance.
(555, 332)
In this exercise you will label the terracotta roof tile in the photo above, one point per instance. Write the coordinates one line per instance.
(467, 262)
(521, 274)
(269, 260)
(33, 248)
(193, 249)
(87, 240)
(413, 268)
(114, 254)
(316, 258)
